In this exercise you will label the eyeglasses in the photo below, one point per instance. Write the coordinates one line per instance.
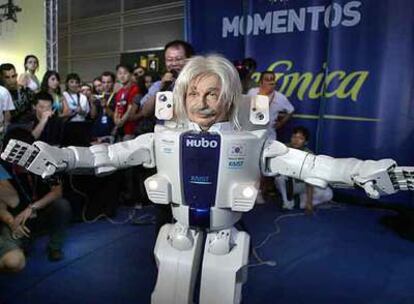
(12, 76)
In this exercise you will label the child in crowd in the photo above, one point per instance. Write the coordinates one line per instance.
(292, 189)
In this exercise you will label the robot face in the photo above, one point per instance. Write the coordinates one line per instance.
(203, 103)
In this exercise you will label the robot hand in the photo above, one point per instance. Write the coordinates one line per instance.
(39, 158)
(384, 177)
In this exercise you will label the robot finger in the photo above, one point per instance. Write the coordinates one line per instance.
(402, 178)
(370, 190)
(14, 151)
(49, 171)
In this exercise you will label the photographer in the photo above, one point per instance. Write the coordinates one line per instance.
(145, 115)
(246, 69)
(175, 52)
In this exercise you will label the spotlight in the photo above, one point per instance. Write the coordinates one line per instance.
(9, 11)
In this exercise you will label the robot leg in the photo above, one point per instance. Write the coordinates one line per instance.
(177, 254)
(226, 254)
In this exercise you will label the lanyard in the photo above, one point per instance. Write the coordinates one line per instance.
(108, 102)
(19, 95)
(271, 97)
(76, 102)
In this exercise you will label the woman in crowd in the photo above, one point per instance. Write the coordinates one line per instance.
(97, 89)
(138, 71)
(77, 102)
(29, 79)
(51, 84)
(149, 79)
(86, 89)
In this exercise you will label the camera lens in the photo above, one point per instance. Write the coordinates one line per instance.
(163, 97)
(260, 116)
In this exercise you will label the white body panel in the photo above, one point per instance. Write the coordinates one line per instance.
(259, 110)
(238, 169)
(164, 109)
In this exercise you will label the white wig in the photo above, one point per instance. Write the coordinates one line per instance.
(203, 66)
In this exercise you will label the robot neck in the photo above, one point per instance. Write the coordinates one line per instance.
(219, 126)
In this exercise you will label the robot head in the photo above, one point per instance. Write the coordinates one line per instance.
(207, 91)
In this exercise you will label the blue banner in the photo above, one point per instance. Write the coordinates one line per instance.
(346, 66)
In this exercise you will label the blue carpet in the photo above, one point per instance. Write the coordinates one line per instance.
(335, 256)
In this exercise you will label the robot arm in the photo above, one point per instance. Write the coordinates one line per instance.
(43, 159)
(375, 177)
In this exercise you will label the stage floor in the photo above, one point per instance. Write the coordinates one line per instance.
(338, 255)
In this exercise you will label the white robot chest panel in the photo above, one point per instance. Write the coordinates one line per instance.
(203, 168)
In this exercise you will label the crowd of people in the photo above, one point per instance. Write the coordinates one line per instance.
(115, 106)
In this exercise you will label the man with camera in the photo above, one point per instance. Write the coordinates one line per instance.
(175, 52)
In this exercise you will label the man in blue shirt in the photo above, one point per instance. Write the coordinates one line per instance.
(175, 52)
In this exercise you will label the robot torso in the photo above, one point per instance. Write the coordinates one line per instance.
(209, 177)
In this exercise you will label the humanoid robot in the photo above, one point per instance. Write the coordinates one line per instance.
(209, 160)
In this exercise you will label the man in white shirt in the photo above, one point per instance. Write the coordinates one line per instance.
(21, 96)
(278, 103)
(6, 105)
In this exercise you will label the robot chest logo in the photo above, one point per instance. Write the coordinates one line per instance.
(236, 164)
(200, 180)
(236, 156)
(203, 143)
(167, 146)
(237, 150)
